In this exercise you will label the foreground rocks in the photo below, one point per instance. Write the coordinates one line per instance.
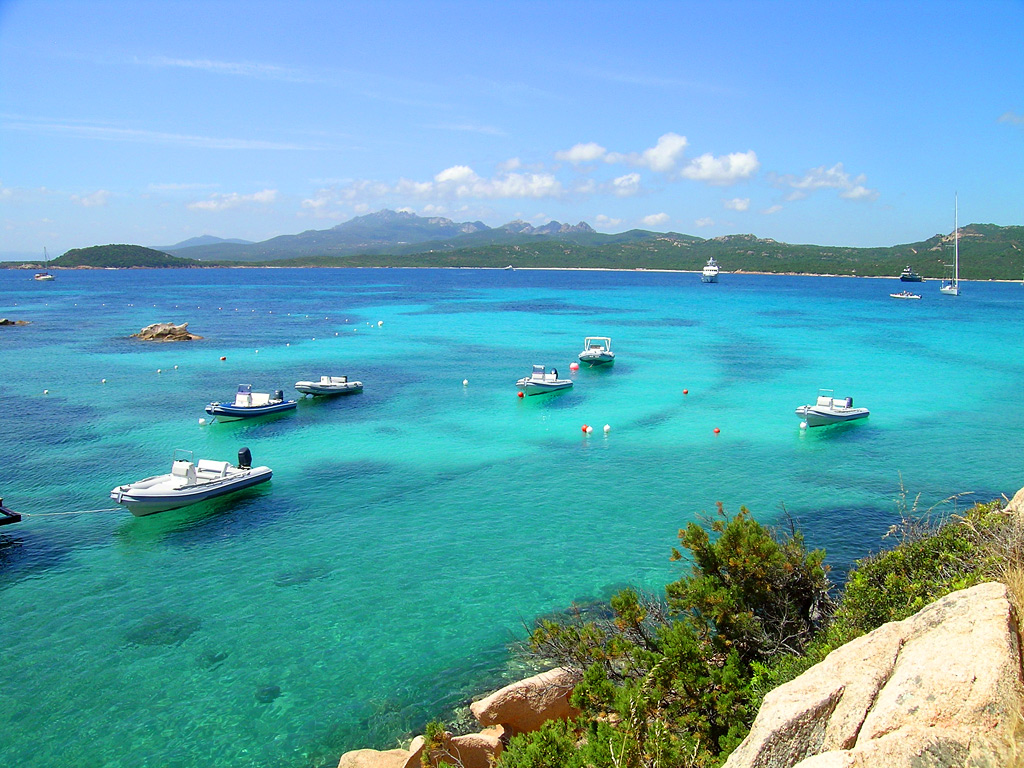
(517, 708)
(942, 688)
(5, 321)
(166, 332)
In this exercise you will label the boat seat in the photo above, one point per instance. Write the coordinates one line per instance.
(260, 398)
(217, 468)
(185, 470)
(826, 401)
(243, 399)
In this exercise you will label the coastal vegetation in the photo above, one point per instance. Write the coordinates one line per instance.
(394, 239)
(678, 679)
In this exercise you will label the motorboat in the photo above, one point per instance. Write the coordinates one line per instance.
(710, 272)
(248, 404)
(905, 295)
(329, 385)
(597, 350)
(910, 276)
(189, 482)
(540, 382)
(43, 276)
(828, 409)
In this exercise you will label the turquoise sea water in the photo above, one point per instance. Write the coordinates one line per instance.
(409, 531)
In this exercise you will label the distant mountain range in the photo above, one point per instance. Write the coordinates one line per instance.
(400, 239)
(192, 242)
(384, 232)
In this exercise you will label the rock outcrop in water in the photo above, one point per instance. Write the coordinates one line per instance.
(166, 332)
(5, 321)
(942, 688)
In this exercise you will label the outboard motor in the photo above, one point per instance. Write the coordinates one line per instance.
(244, 458)
(279, 394)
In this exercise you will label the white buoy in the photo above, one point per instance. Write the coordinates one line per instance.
(257, 351)
(380, 323)
(803, 425)
(159, 371)
(465, 382)
(607, 428)
(46, 391)
(103, 381)
(589, 429)
(202, 421)
(175, 367)
(288, 344)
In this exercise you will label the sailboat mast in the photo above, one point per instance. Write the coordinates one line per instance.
(956, 240)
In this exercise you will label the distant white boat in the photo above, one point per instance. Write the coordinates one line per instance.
(951, 282)
(44, 275)
(905, 295)
(189, 482)
(828, 409)
(329, 385)
(597, 350)
(248, 404)
(710, 272)
(541, 382)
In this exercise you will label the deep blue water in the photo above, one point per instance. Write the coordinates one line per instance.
(410, 531)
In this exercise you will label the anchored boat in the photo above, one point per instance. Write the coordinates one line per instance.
(248, 404)
(540, 382)
(189, 482)
(597, 350)
(329, 385)
(828, 409)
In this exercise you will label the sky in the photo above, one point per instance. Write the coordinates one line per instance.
(834, 123)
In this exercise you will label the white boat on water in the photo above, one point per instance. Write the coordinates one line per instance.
(828, 409)
(541, 382)
(189, 482)
(710, 272)
(597, 350)
(44, 275)
(329, 385)
(951, 281)
(905, 295)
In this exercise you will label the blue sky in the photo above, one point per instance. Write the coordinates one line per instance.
(851, 123)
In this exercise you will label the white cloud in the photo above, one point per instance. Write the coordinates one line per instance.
(722, 170)
(827, 178)
(95, 200)
(582, 153)
(606, 221)
(1011, 117)
(705, 222)
(457, 174)
(512, 164)
(221, 202)
(655, 219)
(737, 204)
(664, 155)
(627, 185)
(173, 187)
(772, 209)
(463, 181)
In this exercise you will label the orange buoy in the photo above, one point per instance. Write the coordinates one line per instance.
(574, 366)
(717, 430)
(584, 428)
(520, 393)
(686, 391)
(223, 358)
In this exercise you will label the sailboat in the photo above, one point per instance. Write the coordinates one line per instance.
(951, 284)
(44, 275)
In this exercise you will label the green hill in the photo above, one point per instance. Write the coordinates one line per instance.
(120, 256)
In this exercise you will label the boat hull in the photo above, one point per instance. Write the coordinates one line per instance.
(816, 416)
(228, 412)
(316, 388)
(152, 495)
(597, 358)
(530, 388)
(709, 278)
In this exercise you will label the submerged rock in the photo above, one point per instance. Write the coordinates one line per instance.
(166, 332)
(301, 576)
(267, 693)
(163, 629)
(210, 659)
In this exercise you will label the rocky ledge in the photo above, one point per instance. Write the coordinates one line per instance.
(5, 321)
(166, 332)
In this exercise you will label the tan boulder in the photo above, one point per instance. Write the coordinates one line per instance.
(1016, 504)
(474, 750)
(942, 688)
(372, 758)
(526, 705)
(166, 332)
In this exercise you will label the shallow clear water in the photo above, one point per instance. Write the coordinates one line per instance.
(409, 531)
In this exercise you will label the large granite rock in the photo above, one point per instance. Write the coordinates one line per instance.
(526, 705)
(942, 688)
(166, 332)
(474, 750)
(5, 321)
(372, 758)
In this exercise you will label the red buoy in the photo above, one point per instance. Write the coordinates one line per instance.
(520, 393)
(584, 428)
(717, 430)
(686, 391)
(223, 358)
